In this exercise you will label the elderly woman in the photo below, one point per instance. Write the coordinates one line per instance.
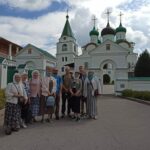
(15, 94)
(35, 86)
(91, 91)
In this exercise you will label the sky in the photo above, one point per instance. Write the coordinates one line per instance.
(40, 22)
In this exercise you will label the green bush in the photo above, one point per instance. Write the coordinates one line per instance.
(112, 82)
(2, 98)
(127, 93)
(144, 95)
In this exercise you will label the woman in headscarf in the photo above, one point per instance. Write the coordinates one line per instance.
(15, 94)
(35, 87)
(75, 90)
(91, 91)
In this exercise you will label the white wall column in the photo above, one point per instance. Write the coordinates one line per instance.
(10, 52)
(17, 50)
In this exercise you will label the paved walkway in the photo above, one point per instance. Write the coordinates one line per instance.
(122, 125)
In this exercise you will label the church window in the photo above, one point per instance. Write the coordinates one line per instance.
(86, 65)
(122, 86)
(74, 48)
(64, 47)
(107, 46)
(63, 59)
(64, 38)
(62, 69)
(105, 66)
(29, 51)
(66, 59)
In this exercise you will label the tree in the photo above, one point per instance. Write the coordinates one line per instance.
(142, 68)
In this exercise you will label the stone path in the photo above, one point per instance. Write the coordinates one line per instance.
(122, 125)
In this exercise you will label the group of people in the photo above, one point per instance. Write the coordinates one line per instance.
(28, 98)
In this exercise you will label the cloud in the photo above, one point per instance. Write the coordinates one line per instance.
(45, 30)
(30, 5)
(42, 32)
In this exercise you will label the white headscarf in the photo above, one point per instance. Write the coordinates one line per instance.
(35, 71)
(14, 81)
(18, 85)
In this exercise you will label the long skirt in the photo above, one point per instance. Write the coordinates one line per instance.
(75, 104)
(91, 103)
(35, 105)
(12, 115)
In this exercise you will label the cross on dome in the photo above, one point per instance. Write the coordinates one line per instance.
(67, 14)
(108, 14)
(120, 17)
(94, 20)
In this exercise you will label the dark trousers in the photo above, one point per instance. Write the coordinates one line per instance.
(66, 97)
(25, 112)
(57, 105)
(75, 104)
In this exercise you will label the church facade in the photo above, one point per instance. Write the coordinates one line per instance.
(109, 54)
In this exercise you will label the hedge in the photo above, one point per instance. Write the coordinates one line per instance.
(144, 95)
(2, 98)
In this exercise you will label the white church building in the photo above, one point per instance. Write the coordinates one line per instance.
(109, 54)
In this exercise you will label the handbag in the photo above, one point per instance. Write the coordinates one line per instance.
(96, 92)
(50, 101)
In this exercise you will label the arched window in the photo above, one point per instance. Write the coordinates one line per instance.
(105, 66)
(64, 47)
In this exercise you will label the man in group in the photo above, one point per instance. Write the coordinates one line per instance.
(58, 91)
(83, 99)
(66, 83)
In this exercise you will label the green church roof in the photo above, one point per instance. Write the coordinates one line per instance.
(121, 29)
(21, 66)
(45, 53)
(67, 31)
(94, 32)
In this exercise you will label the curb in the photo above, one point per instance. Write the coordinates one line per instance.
(136, 100)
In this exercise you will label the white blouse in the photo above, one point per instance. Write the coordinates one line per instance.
(12, 89)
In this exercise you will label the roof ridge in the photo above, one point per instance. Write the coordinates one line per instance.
(43, 51)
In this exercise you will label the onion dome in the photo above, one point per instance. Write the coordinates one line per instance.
(94, 32)
(121, 29)
(108, 30)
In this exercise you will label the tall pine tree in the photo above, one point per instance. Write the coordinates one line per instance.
(142, 68)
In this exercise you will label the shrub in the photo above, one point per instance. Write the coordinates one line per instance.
(127, 93)
(2, 98)
(112, 82)
(144, 95)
